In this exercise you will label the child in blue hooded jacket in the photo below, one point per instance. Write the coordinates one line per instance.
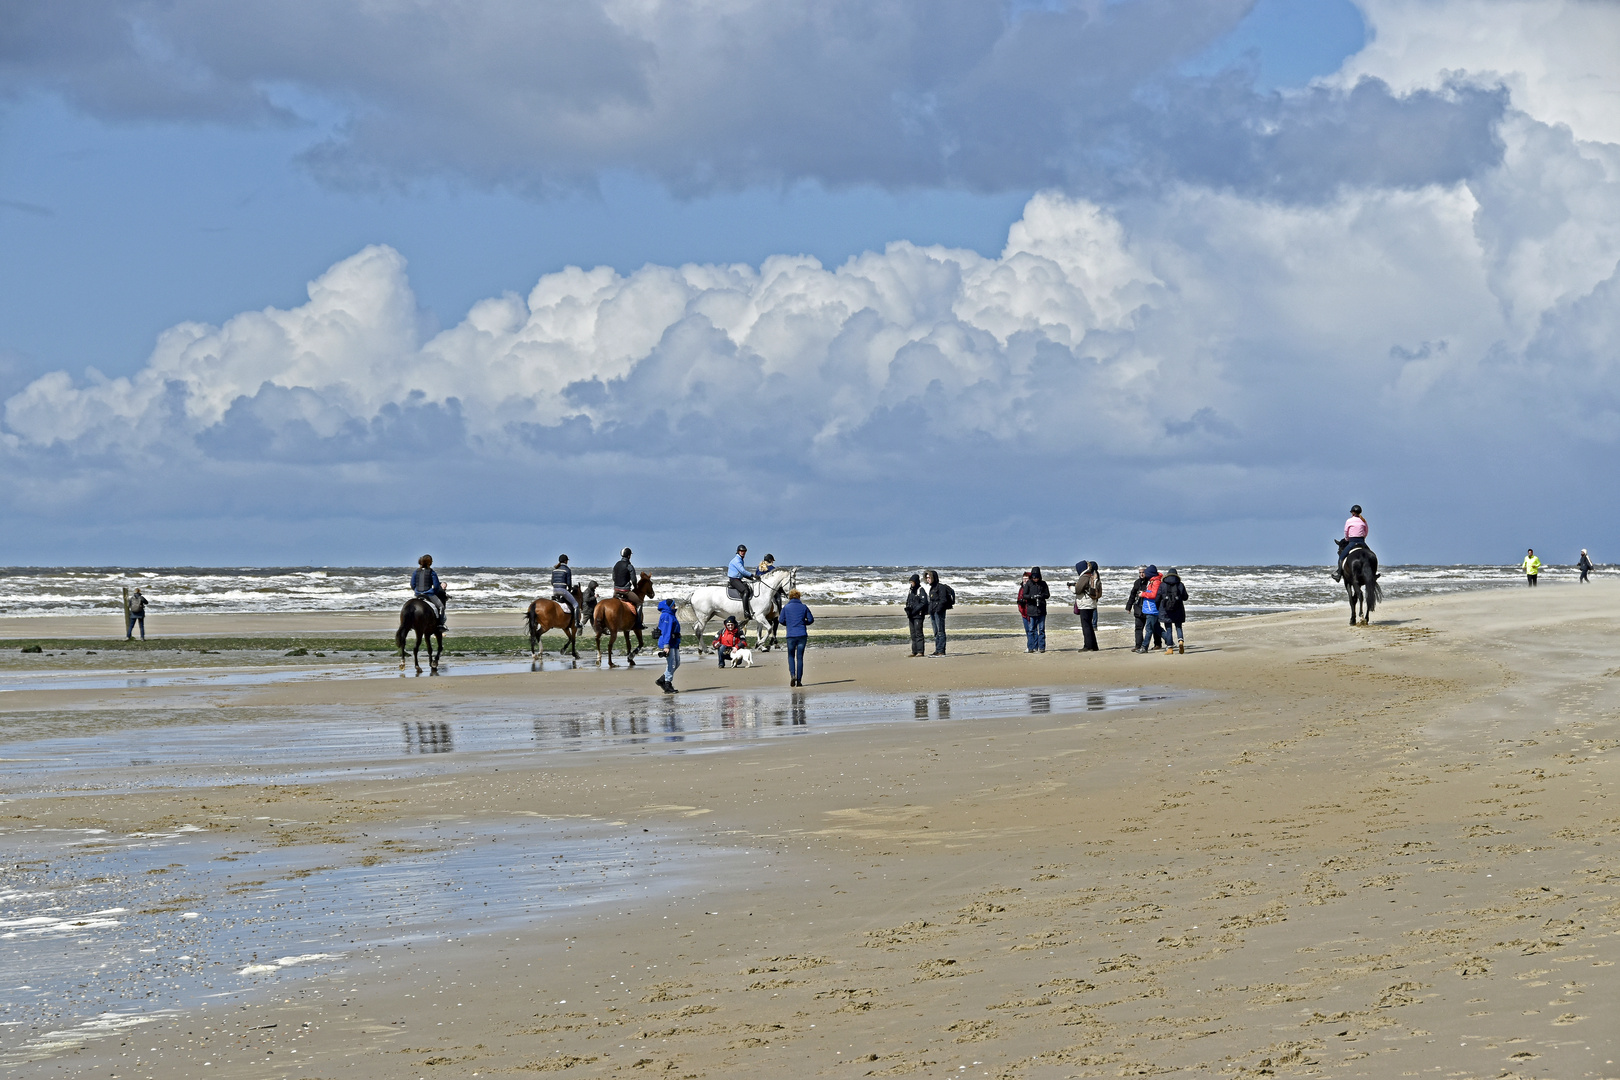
(669, 643)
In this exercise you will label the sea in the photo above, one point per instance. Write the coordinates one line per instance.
(1214, 591)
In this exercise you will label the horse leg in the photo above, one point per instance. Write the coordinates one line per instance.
(416, 651)
(629, 653)
(399, 639)
(433, 657)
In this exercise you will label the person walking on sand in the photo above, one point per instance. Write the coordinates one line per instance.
(1172, 601)
(941, 598)
(796, 620)
(917, 613)
(669, 644)
(1032, 598)
(137, 614)
(1152, 633)
(1584, 566)
(1087, 591)
(1532, 566)
(1133, 604)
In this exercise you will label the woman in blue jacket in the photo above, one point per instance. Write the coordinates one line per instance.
(796, 620)
(669, 643)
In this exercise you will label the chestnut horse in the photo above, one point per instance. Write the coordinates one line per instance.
(546, 614)
(614, 616)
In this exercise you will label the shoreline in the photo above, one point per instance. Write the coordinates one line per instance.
(1352, 852)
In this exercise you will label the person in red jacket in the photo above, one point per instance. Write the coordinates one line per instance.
(731, 638)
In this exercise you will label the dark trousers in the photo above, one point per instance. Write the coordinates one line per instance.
(1153, 631)
(1141, 621)
(1088, 627)
(917, 623)
(1588, 570)
(1532, 578)
(796, 657)
(939, 632)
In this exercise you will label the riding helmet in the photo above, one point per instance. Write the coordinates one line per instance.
(561, 559)
(1356, 509)
(625, 554)
(741, 548)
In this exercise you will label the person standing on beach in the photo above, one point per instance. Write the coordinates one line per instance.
(1023, 613)
(1584, 566)
(917, 613)
(1087, 591)
(1152, 634)
(669, 642)
(796, 620)
(1133, 604)
(1032, 598)
(137, 614)
(1532, 566)
(941, 598)
(1172, 601)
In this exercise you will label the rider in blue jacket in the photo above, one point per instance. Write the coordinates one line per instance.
(426, 585)
(737, 573)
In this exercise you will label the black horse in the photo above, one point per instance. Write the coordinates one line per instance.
(418, 615)
(1361, 582)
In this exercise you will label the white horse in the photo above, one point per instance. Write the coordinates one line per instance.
(769, 592)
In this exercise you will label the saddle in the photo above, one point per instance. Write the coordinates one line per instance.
(435, 603)
(737, 591)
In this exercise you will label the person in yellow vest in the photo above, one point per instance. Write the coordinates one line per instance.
(1532, 566)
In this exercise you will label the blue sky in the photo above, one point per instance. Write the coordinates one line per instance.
(167, 165)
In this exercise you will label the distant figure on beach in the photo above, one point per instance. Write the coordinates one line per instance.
(1032, 599)
(562, 587)
(1172, 601)
(1532, 566)
(624, 585)
(669, 641)
(1148, 596)
(917, 613)
(137, 614)
(426, 585)
(796, 620)
(1023, 614)
(1087, 591)
(941, 598)
(1133, 604)
(1355, 535)
(1584, 566)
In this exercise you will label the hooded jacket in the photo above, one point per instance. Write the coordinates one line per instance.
(669, 627)
(1172, 599)
(1033, 596)
(917, 602)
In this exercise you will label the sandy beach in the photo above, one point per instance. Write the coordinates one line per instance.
(1300, 849)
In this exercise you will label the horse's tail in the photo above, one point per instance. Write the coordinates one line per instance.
(529, 620)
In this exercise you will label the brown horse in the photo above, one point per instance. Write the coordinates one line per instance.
(545, 614)
(614, 616)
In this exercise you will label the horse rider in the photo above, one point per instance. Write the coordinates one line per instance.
(1355, 535)
(766, 565)
(624, 583)
(736, 573)
(426, 585)
(562, 584)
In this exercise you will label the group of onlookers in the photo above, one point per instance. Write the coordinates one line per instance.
(927, 601)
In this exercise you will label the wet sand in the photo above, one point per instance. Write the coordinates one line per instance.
(1372, 852)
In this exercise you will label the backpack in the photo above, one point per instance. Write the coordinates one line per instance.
(950, 596)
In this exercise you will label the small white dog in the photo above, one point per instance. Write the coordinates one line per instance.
(742, 658)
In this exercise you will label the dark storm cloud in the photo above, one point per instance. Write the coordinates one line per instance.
(899, 93)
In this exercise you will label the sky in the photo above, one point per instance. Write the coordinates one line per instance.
(888, 281)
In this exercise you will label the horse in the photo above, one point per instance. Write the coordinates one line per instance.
(418, 615)
(614, 616)
(767, 593)
(547, 614)
(1361, 582)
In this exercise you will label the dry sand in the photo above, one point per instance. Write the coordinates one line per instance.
(1373, 852)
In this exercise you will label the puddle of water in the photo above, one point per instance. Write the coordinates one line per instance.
(100, 933)
(263, 676)
(311, 744)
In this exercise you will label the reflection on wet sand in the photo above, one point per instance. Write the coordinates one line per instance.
(427, 737)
